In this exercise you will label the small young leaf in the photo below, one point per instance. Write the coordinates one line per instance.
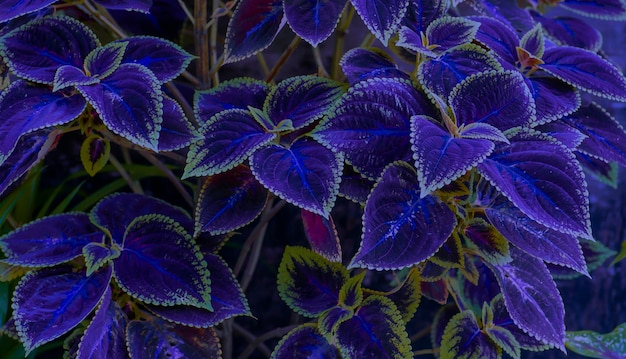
(605, 172)
(463, 339)
(450, 254)
(351, 293)
(304, 342)
(382, 17)
(447, 32)
(68, 75)
(532, 41)
(102, 61)
(308, 282)
(490, 244)
(435, 290)
(322, 235)
(595, 345)
(313, 21)
(94, 153)
(98, 255)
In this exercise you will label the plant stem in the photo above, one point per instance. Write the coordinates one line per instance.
(170, 176)
(201, 40)
(227, 338)
(320, 62)
(340, 37)
(425, 352)
(283, 59)
(186, 10)
(182, 101)
(277, 332)
(263, 64)
(134, 186)
(422, 333)
(251, 338)
(213, 43)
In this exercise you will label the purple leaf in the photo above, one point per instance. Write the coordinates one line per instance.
(351, 293)
(166, 279)
(147, 338)
(361, 64)
(487, 241)
(115, 213)
(10, 9)
(447, 32)
(508, 11)
(532, 42)
(408, 295)
(441, 158)
(414, 42)
(532, 299)
(322, 235)
(102, 61)
(543, 179)
(68, 75)
(375, 331)
(309, 283)
(586, 71)
(27, 108)
(435, 290)
(253, 27)
(305, 342)
(450, 254)
(606, 172)
(137, 5)
(463, 339)
(313, 21)
(500, 99)
(502, 319)
(228, 201)
(48, 303)
(105, 336)
(49, 241)
(176, 130)
(535, 239)
(595, 345)
(229, 138)
(330, 319)
(35, 50)
(442, 74)
(354, 186)
(130, 104)
(497, 36)
(302, 100)
(504, 339)
(382, 17)
(562, 132)
(553, 98)
(239, 93)
(570, 31)
(164, 58)
(306, 174)
(606, 138)
(371, 125)
(421, 13)
(227, 300)
(473, 293)
(603, 9)
(400, 227)
(97, 255)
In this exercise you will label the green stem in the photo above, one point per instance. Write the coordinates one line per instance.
(274, 333)
(340, 37)
(283, 59)
(134, 186)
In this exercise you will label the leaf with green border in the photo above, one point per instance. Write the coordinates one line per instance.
(407, 296)
(98, 255)
(463, 339)
(351, 293)
(485, 238)
(304, 342)
(450, 254)
(94, 153)
(621, 255)
(439, 323)
(330, 319)
(595, 345)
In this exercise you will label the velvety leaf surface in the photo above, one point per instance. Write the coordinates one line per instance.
(532, 299)
(603, 171)
(35, 50)
(304, 342)
(498, 37)
(50, 240)
(500, 99)
(447, 32)
(375, 331)
(505, 340)
(253, 27)
(440, 321)
(26, 108)
(382, 17)
(306, 174)
(440, 157)
(421, 13)
(502, 319)
(567, 135)
(166, 279)
(542, 178)
(360, 64)
(351, 293)
(440, 75)
(176, 130)
(68, 75)
(354, 186)
(137, 5)
(130, 104)
(29, 151)
(229, 138)
(48, 303)
(490, 244)
(322, 235)
(604, 9)
(570, 31)
(463, 339)
(97, 255)
(330, 319)
(227, 299)
(114, 213)
(371, 124)
(586, 71)
(145, 338)
(595, 345)
(102, 61)
(11, 9)
(228, 201)
(164, 58)
(313, 21)
(105, 336)
(238, 93)
(308, 282)
(302, 100)
(553, 98)
(400, 227)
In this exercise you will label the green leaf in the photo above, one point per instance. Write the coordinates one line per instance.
(594, 345)
(463, 339)
(94, 153)
(351, 293)
(97, 255)
(490, 244)
(407, 296)
(621, 255)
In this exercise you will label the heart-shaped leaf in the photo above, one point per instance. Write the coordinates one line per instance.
(303, 342)
(130, 103)
(176, 130)
(543, 179)
(229, 138)
(595, 345)
(497, 36)
(94, 153)
(462, 338)
(26, 108)
(228, 201)
(603, 9)
(570, 31)
(102, 61)
(227, 299)
(376, 330)
(48, 303)
(322, 235)
(145, 338)
(553, 98)
(166, 279)
(37, 49)
(49, 241)
(11, 9)
(105, 336)
(351, 293)
(400, 227)
(586, 71)
(253, 27)
(382, 17)
(313, 21)
(306, 174)
(531, 298)
(308, 282)
(447, 32)
(360, 64)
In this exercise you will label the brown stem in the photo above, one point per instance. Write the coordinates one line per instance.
(340, 37)
(283, 59)
(201, 39)
(251, 338)
(425, 352)
(213, 43)
(277, 332)
(422, 333)
(134, 186)
(170, 176)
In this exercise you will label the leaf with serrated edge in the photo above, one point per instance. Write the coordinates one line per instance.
(595, 345)
(29, 151)
(363, 63)
(176, 130)
(497, 36)
(447, 32)
(97, 255)
(463, 339)
(553, 98)
(490, 244)
(102, 61)
(382, 17)
(502, 319)
(11, 9)
(314, 21)
(94, 153)
(565, 30)
(406, 296)
(303, 342)
(308, 282)
(330, 319)
(533, 42)
(322, 235)
(601, 9)
(351, 293)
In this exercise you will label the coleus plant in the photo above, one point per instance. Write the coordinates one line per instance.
(465, 138)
